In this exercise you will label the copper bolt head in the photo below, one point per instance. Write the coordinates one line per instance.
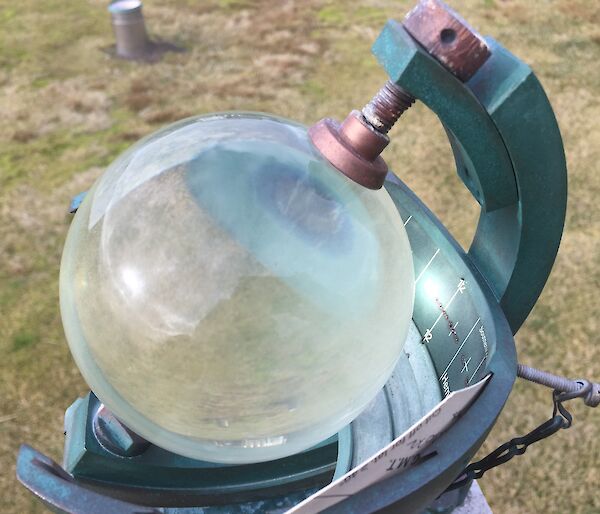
(353, 148)
(447, 37)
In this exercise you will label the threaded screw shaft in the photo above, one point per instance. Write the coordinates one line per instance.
(387, 106)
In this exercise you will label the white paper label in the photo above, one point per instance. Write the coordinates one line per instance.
(399, 455)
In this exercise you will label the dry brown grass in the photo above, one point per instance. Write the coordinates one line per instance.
(68, 109)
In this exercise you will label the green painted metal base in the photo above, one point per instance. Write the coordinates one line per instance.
(161, 479)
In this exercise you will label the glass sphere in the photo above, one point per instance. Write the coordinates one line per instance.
(229, 295)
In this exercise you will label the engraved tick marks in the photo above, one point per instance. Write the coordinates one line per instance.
(453, 329)
(427, 266)
(460, 289)
(485, 349)
(465, 364)
(459, 349)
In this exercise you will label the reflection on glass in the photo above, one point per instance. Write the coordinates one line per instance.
(229, 295)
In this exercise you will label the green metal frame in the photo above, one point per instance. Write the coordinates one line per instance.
(509, 154)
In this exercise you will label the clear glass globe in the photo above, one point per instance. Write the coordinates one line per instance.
(229, 295)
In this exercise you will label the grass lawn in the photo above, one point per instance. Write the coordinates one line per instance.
(68, 109)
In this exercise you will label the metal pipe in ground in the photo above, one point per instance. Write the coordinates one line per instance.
(130, 30)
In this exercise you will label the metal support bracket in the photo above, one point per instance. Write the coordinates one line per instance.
(509, 154)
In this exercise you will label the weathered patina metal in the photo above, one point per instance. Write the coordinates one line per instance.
(447, 38)
(386, 107)
(353, 148)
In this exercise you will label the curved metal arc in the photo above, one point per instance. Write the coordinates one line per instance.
(520, 109)
(61, 494)
(476, 137)
(509, 153)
